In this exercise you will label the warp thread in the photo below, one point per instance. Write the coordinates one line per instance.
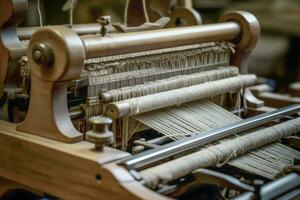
(269, 161)
(179, 122)
(126, 12)
(216, 47)
(112, 72)
(131, 69)
(40, 12)
(71, 12)
(206, 157)
(171, 83)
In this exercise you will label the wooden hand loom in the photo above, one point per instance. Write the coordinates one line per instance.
(46, 154)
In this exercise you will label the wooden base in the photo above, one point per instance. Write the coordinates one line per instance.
(67, 171)
(7, 186)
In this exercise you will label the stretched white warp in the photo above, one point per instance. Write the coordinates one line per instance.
(185, 120)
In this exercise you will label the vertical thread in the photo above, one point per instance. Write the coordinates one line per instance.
(126, 12)
(39, 12)
(145, 11)
(71, 12)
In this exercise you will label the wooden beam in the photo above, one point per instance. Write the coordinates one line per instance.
(67, 171)
(278, 100)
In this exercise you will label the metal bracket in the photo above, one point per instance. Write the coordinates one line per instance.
(206, 176)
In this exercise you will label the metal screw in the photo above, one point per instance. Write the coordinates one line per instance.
(42, 54)
(100, 134)
(104, 21)
(37, 55)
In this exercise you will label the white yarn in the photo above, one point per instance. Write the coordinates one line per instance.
(179, 122)
(145, 11)
(71, 12)
(268, 161)
(171, 83)
(39, 12)
(138, 68)
(112, 72)
(196, 117)
(208, 46)
(206, 157)
(126, 12)
(175, 97)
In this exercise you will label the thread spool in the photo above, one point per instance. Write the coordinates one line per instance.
(174, 97)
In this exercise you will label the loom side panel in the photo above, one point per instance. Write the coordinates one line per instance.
(63, 170)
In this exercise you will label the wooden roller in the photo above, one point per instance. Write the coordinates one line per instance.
(147, 103)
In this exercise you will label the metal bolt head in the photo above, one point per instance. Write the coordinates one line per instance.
(37, 55)
(42, 54)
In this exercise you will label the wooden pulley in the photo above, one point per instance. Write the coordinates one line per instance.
(182, 16)
(137, 12)
(247, 38)
(57, 59)
(56, 56)
(250, 25)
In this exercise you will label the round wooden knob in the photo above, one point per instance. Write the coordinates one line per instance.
(100, 134)
(250, 28)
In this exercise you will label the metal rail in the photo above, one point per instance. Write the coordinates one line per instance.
(160, 153)
(274, 189)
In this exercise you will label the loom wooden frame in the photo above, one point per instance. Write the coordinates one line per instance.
(67, 171)
(73, 171)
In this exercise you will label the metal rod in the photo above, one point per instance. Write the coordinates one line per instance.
(116, 44)
(274, 189)
(160, 153)
(24, 33)
(280, 186)
(76, 113)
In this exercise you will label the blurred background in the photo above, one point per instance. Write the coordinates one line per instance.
(276, 58)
